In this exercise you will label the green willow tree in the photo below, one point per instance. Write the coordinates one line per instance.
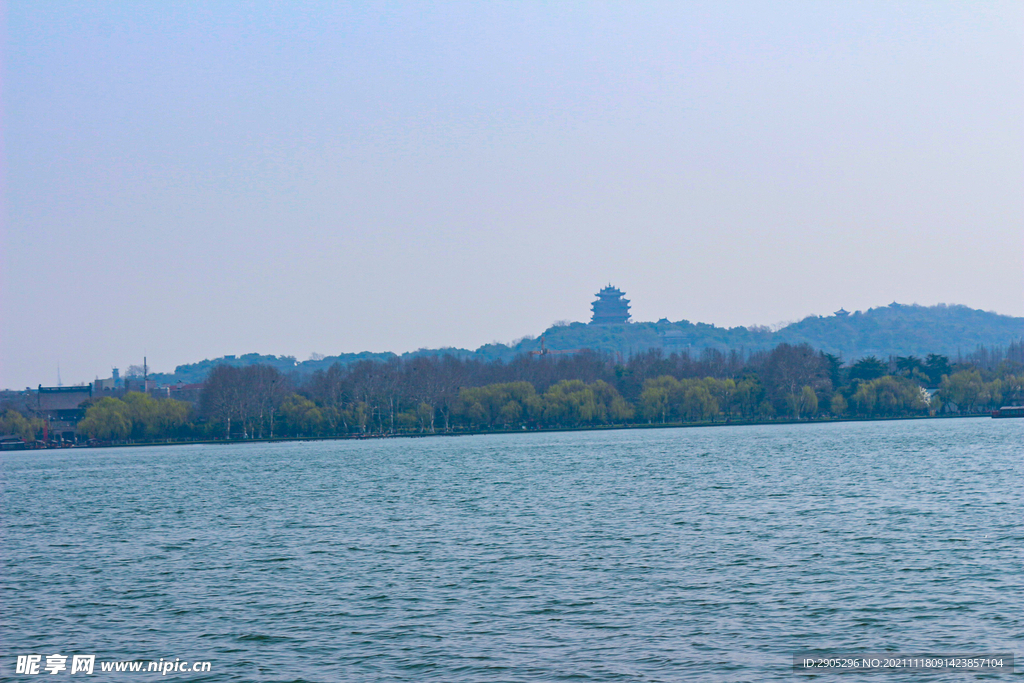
(135, 416)
(13, 422)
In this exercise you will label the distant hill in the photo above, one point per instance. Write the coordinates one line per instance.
(905, 330)
(196, 372)
(896, 329)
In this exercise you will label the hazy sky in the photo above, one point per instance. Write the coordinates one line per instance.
(191, 180)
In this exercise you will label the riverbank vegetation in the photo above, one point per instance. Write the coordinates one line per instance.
(429, 395)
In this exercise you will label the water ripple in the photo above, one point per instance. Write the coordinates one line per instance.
(668, 555)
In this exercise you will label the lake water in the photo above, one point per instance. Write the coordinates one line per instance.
(645, 555)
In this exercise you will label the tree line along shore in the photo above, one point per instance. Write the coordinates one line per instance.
(449, 395)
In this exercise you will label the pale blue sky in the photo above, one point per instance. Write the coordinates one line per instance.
(192, 180)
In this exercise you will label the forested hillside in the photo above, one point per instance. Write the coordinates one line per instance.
(900, 330)
(894, 330)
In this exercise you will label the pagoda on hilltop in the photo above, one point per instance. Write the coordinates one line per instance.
(610, 308)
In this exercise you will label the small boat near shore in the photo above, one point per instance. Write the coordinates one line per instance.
(1009, 411)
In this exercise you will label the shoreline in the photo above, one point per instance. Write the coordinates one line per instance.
(548, 430)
